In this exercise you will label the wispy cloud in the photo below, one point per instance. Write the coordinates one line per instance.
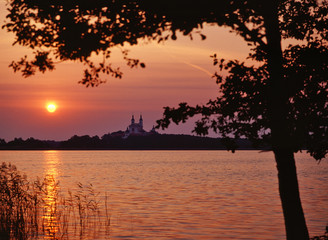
(186, 62)
(198, 67)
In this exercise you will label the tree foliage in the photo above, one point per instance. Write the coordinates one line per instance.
(74, 30)
(242, 109)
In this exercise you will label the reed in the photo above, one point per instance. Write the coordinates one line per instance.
(38, 210)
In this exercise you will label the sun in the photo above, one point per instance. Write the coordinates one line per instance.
(51, 107)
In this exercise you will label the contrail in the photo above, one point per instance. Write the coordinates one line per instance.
(197, 67)
(188, 63)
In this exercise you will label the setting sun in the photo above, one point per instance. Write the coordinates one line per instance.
(51, 108)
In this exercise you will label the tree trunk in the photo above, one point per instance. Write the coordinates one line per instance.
(282, 143)
(295, 225)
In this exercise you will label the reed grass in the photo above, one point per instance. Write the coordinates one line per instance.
(37, 209)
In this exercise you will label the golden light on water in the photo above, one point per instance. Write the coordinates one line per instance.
(52, 159)
(50, 215)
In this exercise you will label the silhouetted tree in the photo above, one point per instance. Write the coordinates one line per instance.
(2, 142)
(282, 100)
(17, 142)
(82, 142)
(29, 143)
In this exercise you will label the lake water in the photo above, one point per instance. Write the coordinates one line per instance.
(185, 194)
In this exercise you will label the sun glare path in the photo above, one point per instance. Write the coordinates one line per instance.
(50, 217)
(51, 107)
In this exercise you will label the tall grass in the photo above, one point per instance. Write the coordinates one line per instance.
(37, 210)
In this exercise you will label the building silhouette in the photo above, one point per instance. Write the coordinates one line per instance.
(136, 129)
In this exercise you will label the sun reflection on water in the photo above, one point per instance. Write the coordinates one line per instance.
(50, 211)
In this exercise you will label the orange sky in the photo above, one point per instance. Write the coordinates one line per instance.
(177, 71)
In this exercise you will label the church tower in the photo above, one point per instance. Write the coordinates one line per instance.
(141, 121)
(136, 129)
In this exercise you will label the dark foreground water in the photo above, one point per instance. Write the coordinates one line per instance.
(185, 194)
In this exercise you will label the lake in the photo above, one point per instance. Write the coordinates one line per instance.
(185, 194)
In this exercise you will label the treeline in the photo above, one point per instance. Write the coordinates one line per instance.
(115, 141)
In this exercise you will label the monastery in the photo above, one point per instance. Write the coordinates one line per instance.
(137, 129)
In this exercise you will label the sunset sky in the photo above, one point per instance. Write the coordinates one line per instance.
(176, 71)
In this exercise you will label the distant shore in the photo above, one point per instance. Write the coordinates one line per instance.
(127, 149)
(116, 142)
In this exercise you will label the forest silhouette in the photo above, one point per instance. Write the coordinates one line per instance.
(114, 141)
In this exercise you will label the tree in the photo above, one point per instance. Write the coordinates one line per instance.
(281, 100)
(84, 141)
